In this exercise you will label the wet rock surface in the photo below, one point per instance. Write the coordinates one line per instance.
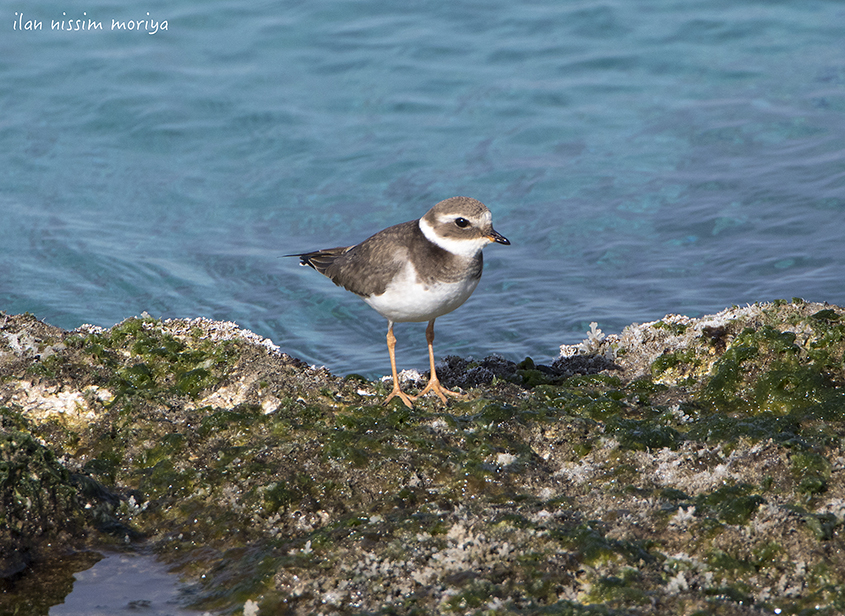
(685, 466)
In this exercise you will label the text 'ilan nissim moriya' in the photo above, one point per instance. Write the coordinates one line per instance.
(149, 25)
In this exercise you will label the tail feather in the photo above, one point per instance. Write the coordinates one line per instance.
(320, 260)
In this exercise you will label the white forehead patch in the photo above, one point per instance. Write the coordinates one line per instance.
(485, 219)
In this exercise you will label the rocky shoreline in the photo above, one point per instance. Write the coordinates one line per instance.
(685, 466)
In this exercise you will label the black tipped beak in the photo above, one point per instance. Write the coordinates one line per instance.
(498, 238)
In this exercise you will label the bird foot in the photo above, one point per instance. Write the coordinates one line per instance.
(435, 386)
(398, 393)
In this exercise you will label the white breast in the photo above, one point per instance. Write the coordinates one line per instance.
(405, 299)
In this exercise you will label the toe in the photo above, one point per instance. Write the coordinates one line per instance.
(398, 393)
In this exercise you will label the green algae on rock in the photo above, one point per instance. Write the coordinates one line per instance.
(682, 466)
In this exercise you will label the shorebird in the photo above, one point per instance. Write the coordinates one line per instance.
(414, 272)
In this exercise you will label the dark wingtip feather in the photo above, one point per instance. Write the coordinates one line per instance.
(320, 260)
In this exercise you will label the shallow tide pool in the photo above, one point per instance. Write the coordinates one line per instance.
(125, 582)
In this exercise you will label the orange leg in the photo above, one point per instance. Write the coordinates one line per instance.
(391, 346)
(433, 382)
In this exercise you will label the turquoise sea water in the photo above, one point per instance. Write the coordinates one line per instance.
(643, 157)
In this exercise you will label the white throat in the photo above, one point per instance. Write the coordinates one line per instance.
(463, 248)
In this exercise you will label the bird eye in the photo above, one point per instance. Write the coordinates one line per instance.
(463, 223)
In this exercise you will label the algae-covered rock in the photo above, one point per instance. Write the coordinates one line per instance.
(685, 466)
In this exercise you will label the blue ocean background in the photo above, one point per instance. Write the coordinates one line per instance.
(643, 157)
